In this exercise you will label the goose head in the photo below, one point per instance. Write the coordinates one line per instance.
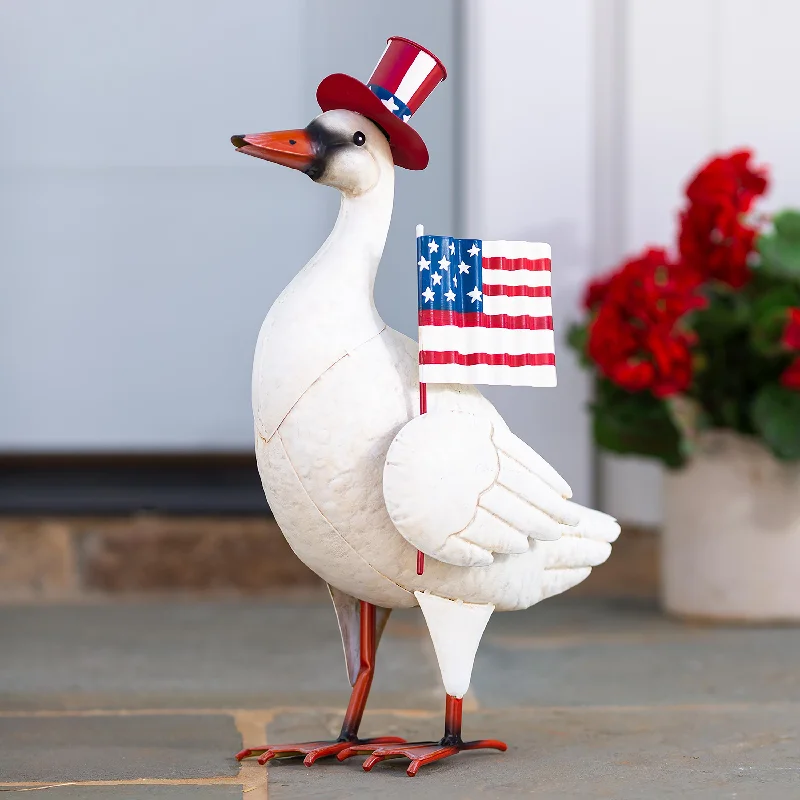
(339, 148)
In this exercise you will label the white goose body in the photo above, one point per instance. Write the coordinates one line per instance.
(332, 388)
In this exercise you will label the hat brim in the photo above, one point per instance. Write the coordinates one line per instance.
(342, 91)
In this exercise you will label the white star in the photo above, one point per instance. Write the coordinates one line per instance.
(436, 278)
(433, 247)
(428, 295)
(474, 250)
(423, 264)
(390, 104)
(462, 267)
(455, 280)
(450, 295)
(475, 294)
(406, 117)
(452, 248)
(444, 263)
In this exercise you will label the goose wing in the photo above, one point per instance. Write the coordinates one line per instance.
(462, 488)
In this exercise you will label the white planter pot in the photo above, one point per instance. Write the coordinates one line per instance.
(731, 540)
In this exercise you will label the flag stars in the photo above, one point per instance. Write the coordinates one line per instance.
(453, 282)
(392, 106)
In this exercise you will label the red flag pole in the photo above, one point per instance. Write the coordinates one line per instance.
(423, 408)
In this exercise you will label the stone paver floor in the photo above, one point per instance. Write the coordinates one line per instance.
(597, 699)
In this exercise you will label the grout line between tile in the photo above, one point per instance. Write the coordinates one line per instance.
(266, 715)
(222, 780)
(252, 727)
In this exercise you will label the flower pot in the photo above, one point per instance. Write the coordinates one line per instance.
(731, 540)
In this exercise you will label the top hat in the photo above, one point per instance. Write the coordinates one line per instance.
(406, 74)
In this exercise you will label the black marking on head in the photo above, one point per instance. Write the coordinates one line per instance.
(324, 141)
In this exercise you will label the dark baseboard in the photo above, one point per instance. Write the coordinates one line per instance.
(125, 484)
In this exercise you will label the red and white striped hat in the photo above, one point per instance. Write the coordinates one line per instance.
(406, 74)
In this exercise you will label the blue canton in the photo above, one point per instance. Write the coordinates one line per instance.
(449, 273)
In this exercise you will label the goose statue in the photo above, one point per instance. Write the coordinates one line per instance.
(357, 479)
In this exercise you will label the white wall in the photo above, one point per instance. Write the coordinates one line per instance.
(528, 161)
(138, 252)
(699, 76)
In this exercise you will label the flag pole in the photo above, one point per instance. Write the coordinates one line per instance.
(423, 408)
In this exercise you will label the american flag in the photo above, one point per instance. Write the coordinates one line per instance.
(485, 312)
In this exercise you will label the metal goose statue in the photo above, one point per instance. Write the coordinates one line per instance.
(345, 458)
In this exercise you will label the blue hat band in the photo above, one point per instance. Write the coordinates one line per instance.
(391, 101)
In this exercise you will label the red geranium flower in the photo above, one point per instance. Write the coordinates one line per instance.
(791, 376)
(791, 334)
(595, 293)
(713, 239)
(635, 338)
(728, 179)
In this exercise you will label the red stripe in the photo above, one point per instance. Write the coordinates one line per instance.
(492, 359)
(498, 290)
(501, 262)
(394, 65)
(476, 319)
(425, 88)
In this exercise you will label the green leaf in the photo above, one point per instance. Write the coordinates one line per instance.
(578, 339)
(725, 313)
(769, 318)
(635, 424)
(787, 224)
(780, 249)
(776, 416)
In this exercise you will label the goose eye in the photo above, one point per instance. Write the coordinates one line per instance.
(359, 138)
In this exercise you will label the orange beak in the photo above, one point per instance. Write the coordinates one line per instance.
(293, 149)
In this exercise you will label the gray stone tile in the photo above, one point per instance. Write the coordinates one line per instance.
(141, 793)
(200, 655)
(60, 749)
(601, 653)
(745, 753)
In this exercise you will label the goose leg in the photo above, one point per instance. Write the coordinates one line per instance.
(456, 629)
(422, 753)
(312, 751)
